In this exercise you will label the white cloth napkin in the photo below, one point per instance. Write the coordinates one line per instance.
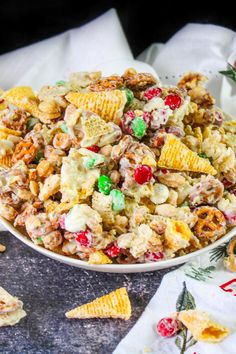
(79, 49)
(203, 48)
(216, 295)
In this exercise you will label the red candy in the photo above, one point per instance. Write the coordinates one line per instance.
(93, 148)
(143, 174)
(83, 237)
(154, 256)
(126, 122)
(113, 251)
(168, 327)
(152, 92)
(227, 183)
(173, 101)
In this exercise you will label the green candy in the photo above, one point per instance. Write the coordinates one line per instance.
(90, 163)
(104, 184)
(129, 96)
(39, 156)
(60, 83)
(118, 200)
(138, 127)
(31, 123)
(64, 128)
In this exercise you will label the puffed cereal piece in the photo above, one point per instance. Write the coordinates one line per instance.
(44, 168)
(108, 104)
(177, 156)
(99, 257)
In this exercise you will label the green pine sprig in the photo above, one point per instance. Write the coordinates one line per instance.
(185, 301)
(230, 73)
(218, 252)
(201, 274)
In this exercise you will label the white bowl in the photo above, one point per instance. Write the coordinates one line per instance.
(116, 268)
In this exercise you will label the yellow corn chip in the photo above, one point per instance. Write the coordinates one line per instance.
(177, 156)
(6, 161)
(6, 132)
(24, 97)
(94, 126)
(99, 257)
(115, 305)
(107, 104)
(202, 328)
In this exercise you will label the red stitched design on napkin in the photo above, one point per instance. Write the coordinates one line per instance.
(227, 287)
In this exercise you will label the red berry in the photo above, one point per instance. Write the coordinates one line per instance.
(125, 125)
(93, 148)
(152, 92)
(173, 101)
(154, 256)
(143, 174)
(168, 327)
(113, 251)
(83, 237)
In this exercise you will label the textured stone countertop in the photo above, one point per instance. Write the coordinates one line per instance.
(49, 288)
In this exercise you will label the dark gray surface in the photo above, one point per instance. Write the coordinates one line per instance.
(49, 288)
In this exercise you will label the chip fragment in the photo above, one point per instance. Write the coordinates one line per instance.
(115, 305)
(107, 104)
(176, 155)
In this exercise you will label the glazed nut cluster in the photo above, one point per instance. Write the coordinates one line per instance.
(118, 169)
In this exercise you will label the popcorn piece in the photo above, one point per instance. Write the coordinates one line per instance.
(82, 216)
(137, 241)
(176, 155)
(115, 305)
(202, 327)
(99, 257)
(108, 104)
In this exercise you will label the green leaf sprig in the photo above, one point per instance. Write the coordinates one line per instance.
(230, 73)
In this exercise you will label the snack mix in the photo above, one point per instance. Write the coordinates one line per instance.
(117, 169)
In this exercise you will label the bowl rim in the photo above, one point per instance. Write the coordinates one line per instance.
(113, 268)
